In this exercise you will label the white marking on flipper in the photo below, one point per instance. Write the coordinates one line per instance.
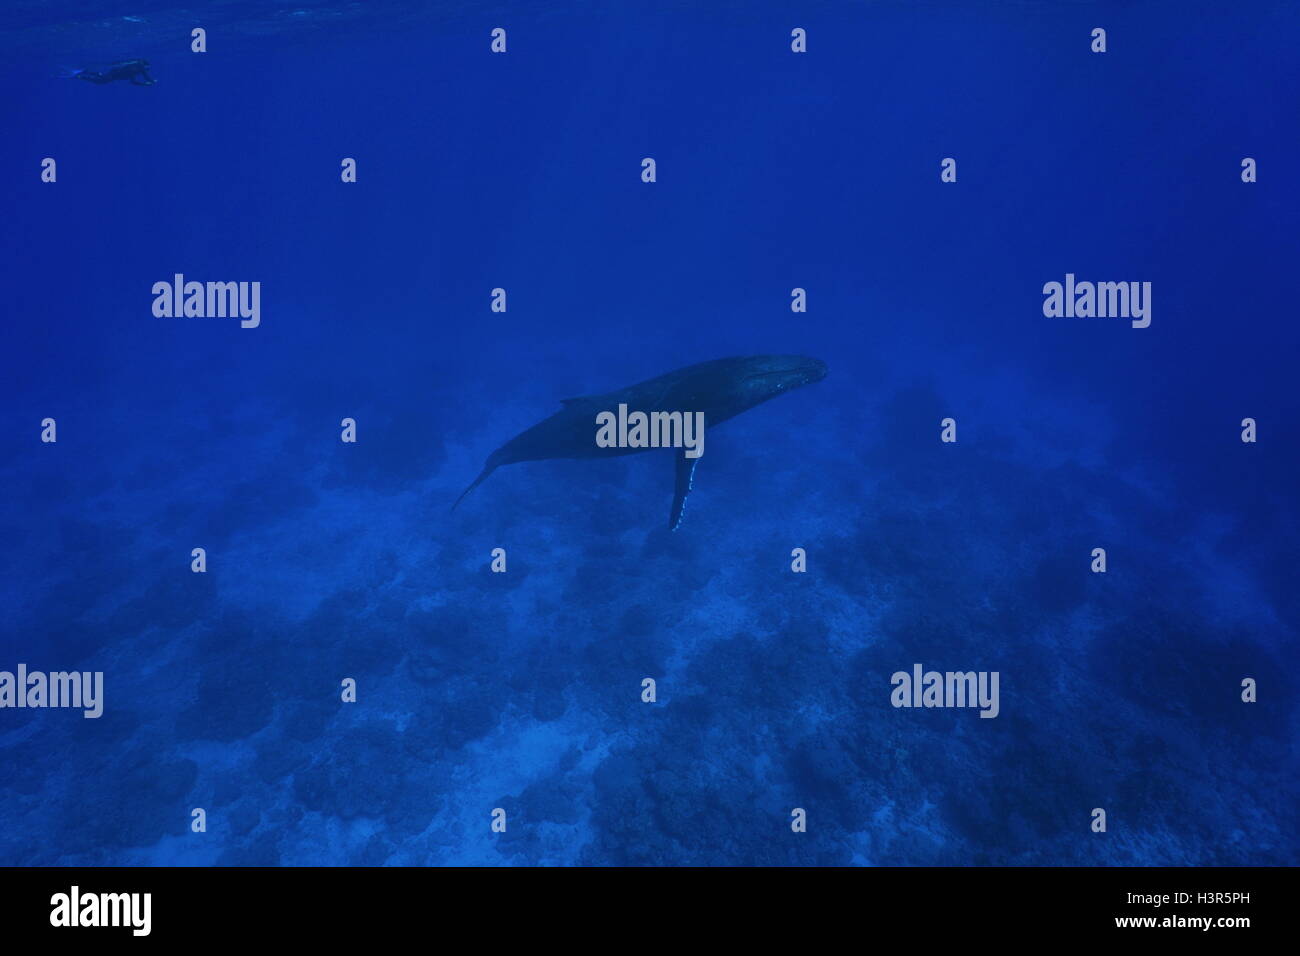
(685, 493)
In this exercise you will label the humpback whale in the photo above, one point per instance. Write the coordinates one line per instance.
(137, 71)
(720, 389)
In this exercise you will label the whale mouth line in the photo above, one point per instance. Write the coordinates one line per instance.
(810, 370)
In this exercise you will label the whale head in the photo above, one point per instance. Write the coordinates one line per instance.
(766, 376)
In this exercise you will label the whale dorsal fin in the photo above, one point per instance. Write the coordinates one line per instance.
(685, 481)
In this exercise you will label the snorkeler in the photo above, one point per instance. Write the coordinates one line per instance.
(137, 71)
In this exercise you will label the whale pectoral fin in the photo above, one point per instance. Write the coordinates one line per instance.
(685, 481)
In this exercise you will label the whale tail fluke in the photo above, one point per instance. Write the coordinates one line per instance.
(488, 468)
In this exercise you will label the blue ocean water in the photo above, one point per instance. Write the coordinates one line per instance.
(522, 691)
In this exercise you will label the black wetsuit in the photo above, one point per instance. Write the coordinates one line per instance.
(137, 71)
